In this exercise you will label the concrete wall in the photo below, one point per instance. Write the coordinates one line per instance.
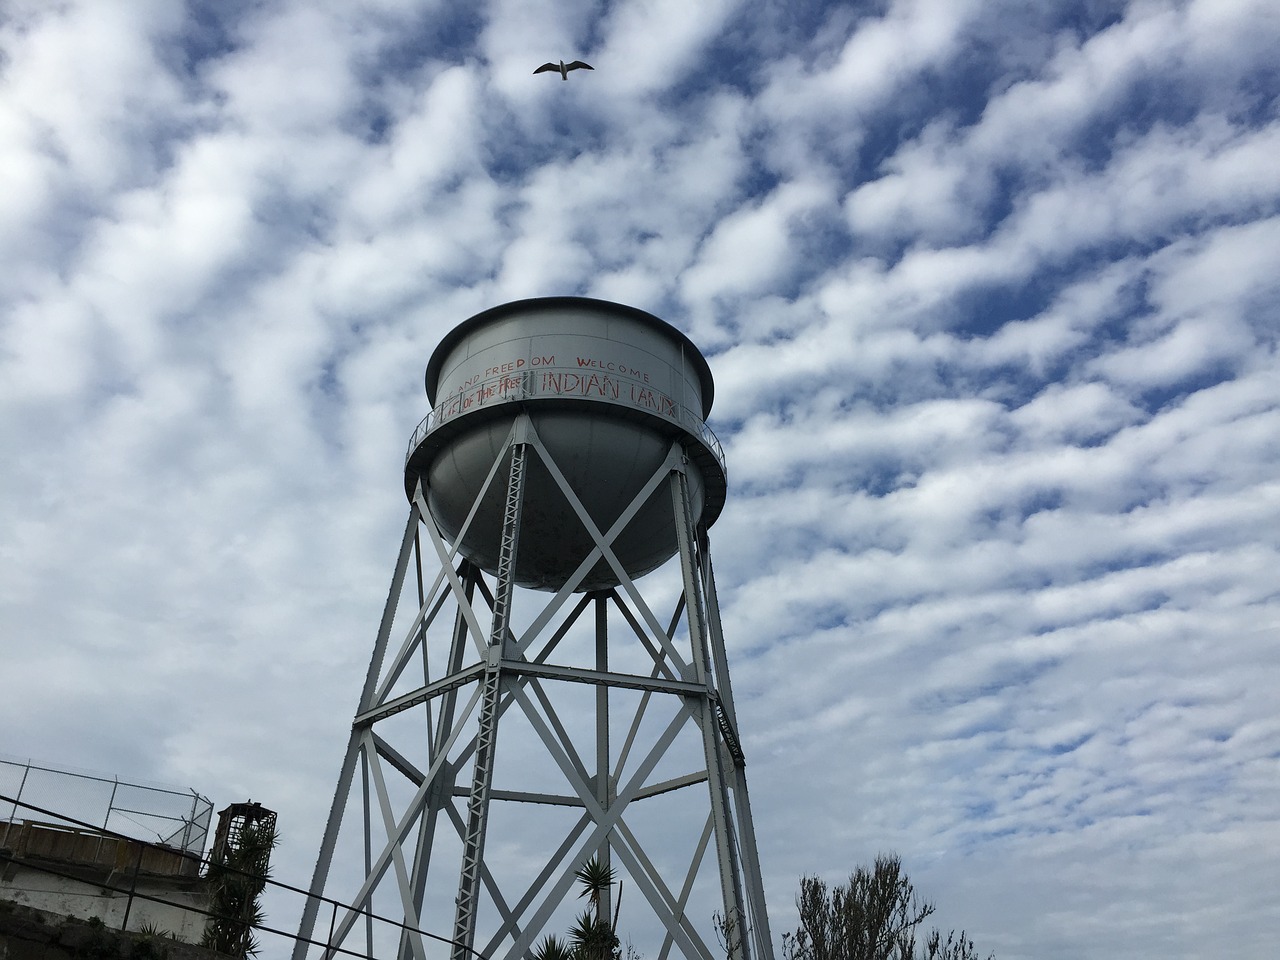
(84, 899)
(29, 934)
(82, 874)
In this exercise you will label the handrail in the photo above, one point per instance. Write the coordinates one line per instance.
(542, 383)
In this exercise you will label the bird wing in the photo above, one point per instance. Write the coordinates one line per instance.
(578, 63)
(548, 66)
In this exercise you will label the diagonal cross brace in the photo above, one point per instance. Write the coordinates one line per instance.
(605, 820)
(396, 837)
(604, 548)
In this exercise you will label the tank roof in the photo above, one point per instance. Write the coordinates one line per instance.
(466, 327)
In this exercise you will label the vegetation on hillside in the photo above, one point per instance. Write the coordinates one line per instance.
(876, 915)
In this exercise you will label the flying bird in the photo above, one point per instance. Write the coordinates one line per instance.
(563, 68)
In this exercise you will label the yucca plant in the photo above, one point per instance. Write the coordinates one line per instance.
(236, 882)
(553, 948)
(593, 938)
(596, 878)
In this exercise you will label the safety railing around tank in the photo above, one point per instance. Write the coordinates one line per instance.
(561, 383)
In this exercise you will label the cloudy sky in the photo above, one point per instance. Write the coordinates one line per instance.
(991, 297)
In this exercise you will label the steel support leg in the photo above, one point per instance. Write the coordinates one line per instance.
(442, 791)
(760, 933)
(328, 843)
(735, 915)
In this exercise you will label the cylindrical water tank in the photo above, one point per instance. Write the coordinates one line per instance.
(609, 389)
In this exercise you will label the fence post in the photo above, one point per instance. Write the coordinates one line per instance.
(333, 922)
(133, 887)
(26, 771)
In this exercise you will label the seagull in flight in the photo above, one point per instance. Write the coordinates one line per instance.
(563, 68)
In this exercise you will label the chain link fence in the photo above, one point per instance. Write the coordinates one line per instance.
(149, 812)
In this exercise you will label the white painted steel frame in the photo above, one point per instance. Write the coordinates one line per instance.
(508, 675)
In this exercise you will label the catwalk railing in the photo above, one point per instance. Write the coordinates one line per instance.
(571, 383)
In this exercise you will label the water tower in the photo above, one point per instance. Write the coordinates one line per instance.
(527, 707)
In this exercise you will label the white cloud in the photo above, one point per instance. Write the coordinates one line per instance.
(1074, 414)
(754, 248)
(430, 150)
(880, 54)
(292, 76)
(927, 194)
(651, 44)
(518, 37)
